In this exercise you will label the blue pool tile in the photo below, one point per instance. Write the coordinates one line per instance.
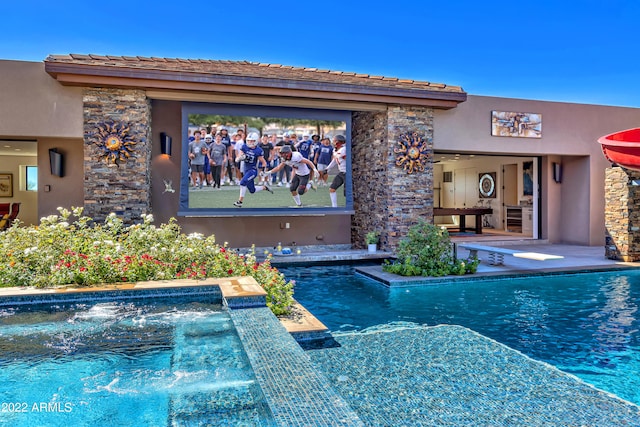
(451, 376)
(298, 393)
(211, 292)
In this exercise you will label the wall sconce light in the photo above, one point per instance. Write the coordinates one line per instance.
(557, 172)
(56, 162)
(165, 144)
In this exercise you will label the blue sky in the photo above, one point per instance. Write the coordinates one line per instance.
(570, 51)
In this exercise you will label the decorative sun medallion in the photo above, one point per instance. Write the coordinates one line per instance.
(412, 153)
(115, 142)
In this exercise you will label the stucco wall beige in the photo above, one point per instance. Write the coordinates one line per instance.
(66, 191)
(33, 104)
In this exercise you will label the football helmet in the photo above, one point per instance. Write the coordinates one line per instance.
(252, 140)
(339, 141)
(286, 152)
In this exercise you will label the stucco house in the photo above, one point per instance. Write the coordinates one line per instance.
(412, 147)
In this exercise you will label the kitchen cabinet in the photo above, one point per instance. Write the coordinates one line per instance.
(514, 219)
(527, 220)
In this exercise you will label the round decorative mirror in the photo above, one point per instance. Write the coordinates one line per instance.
(487, 185)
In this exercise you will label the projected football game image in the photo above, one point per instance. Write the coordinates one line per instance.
(243, 163)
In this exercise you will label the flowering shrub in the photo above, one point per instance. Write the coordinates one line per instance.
(427, 251)
(61, 252)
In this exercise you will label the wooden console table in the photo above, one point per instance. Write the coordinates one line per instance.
(461, 213)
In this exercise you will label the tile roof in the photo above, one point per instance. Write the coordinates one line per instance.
(244, 69)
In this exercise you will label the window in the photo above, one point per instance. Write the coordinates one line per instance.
(31, 178)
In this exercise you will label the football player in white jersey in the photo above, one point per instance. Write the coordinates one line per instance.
(304, 171)
(340, 160)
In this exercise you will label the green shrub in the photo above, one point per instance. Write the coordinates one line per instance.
(427, 251)
(62, 252)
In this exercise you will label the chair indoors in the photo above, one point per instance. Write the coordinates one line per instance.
(9, 217)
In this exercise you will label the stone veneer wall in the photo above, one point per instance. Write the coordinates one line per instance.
(622, 214)
(386, 198)
(125, 188)
(368, 171)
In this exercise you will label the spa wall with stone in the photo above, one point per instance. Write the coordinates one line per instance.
(117, 170)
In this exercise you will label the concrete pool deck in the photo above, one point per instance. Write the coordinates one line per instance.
(576, 258)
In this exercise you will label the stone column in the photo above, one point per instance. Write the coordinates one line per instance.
(369, 175)
(117, 153)
(386, 197)
(622, 214)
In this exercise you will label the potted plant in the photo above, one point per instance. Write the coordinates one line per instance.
(372, 241)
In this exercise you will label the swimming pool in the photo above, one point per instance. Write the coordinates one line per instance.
(585, 324)
(154, 361)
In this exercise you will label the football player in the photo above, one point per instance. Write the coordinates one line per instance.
(322, 159)
(340, 160)
(250, 154)
(303, 168)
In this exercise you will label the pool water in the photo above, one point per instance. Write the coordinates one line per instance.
(142, 363)
(584, 324)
